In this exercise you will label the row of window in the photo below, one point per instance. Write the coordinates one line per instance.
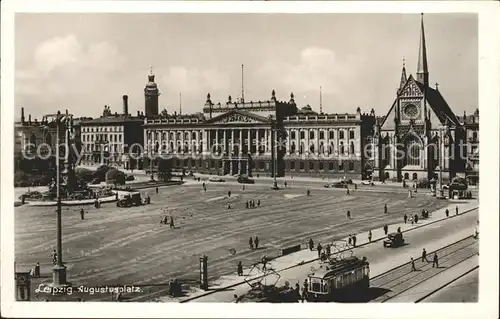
(102, 137)
(312, 134)
(321, 166)
(102, 129)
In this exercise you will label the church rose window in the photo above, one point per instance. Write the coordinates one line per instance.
(411, 111)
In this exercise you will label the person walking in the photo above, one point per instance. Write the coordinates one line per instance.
(456, 210)
(385, 208)
(370, 236)
(258, 202)
(424, 255)
(250, 243)
(386, 229)
(311, 244)
(416, 218)
(435, 261)
(229, 194)
(285, 184)
(348, 215)
(82, 214)
(256, 242)
(297, 292)
(405, 217)
(447, 212)
(37, 270)
(349, 240)
(156, 190)
(413, 265)
(172, 222)
(308, 193)
(354, 240)
(54, 257)
(240, 269)
(319, 248)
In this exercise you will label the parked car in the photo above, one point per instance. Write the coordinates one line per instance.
(216, 179)
(367, 182)
(340, 184)
(132, 199)
(394, 240)
(243, 179)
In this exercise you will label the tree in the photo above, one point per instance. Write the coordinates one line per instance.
(116, 177)
(165, 169)
(101, 171)
(84, 175)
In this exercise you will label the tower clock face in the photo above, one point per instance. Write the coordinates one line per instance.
(411, 111)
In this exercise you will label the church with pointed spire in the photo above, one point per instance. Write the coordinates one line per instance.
(420, 138)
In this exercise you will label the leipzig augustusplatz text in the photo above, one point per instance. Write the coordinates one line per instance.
(43, 288)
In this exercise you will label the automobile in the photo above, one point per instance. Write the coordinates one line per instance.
(216, 179)
(394, 240)
(129, 200)
(243, 179)
(367, 182)
(340, 184)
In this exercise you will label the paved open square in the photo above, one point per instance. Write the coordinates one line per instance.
(118, 246)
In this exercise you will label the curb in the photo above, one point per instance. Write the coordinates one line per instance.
(313, 260)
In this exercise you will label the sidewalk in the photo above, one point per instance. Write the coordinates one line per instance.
(306, 256)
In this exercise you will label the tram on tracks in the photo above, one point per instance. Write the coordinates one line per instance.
(339, 279)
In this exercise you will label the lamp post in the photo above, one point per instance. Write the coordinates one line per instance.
(59, 269)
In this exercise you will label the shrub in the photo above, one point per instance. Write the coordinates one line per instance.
(84, 174)
(114, 176)
(100, 173)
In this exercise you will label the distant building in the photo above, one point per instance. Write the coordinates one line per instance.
(113, 139)
(237, 138)
(420, 135)
(471, 124)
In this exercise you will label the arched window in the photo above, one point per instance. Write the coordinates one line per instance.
(413, 152)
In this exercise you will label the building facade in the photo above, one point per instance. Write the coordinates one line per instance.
(471, 124)
(260, 137)
(113, 139)
(420, 137)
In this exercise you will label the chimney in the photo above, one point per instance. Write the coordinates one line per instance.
(22, 115)
(29, 119)
(125, 105)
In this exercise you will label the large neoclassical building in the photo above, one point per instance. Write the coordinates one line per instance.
(255, 137)
(420, 136)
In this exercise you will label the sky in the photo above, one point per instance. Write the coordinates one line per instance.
(82, 62)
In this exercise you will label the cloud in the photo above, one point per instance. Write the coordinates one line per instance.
(64, 71)
(314, 67)
(194, 81)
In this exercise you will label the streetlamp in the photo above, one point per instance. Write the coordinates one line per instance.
(274, 155)
(59, 269)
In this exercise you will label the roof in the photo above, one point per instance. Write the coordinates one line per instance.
(339, 266)
(438, 104)
(112, 119)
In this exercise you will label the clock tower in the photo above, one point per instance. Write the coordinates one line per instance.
(151, 94)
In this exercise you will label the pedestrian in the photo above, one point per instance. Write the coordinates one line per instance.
(156, 190)
(413, 265)
(82, 214)
(369, 235)
(405, 217)
(240, 269)
(285, 184)
(435, 261)
(172, 222)
(229, 194)
(349, 240)
(456, 210)
(204, 187)
(399, 229)
(328, 250)
(37, 270)
(264, 262)
(250, 243)
(258, 202)
(354, 240)
(304, 290)
(347, 190)
(247, 205)
(386, 229)
(424, 255)
(319, 248)
(416, 218)
(311, 244)
(411, 220)
(256, 242)
(54, 257)
(447, 212)
(297, 292)
(348, 215)
(308, 192)
(385, 208)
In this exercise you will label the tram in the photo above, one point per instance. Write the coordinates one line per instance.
(339, 280)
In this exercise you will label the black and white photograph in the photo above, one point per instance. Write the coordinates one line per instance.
(327, 158)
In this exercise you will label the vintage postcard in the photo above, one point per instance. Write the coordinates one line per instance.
(257, 159)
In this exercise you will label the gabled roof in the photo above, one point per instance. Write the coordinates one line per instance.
(243, 113)
(439, 105)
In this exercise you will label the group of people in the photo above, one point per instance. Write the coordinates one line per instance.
(435, 262)
(323, 252)
(252, 204)
(165, 221)
(253, 243)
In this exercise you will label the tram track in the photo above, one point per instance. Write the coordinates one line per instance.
(402, 279)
